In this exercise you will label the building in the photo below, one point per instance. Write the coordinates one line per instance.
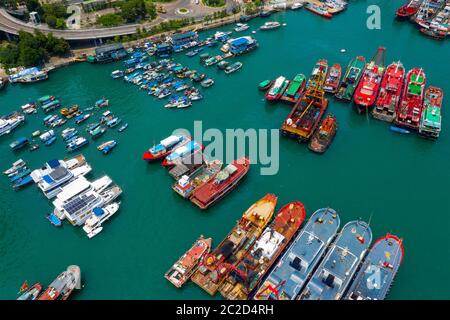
(182, 39)
(163, 49)
(108, 53)
(242, 45)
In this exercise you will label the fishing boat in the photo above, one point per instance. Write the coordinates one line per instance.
(184, 103)
(351, 78)
(378, 270)
(113, 122)
(270, 25)
(82, 117)
(51, 105)
(216, 265)
(399, 130)
(29, 108)
(335, 273)
(63, 285)
(183, 269)
(123, 127)
(10, 122)
(97, 132)
(50, 140)
(193, 53)
(430, 122)
(187, 184)
(54, 220)
(198, 77)
(68, 133)
(319, 9)
(264, 85)
(69, 112)
(93, 224)
(411, 105)
(23, 182)
(166, 146)
(225, 181)
(19, 143)
(180, 152)
(107, 146)
(223, 64)
(15, 167)
(287, 279)
(297, 5)
(277, 89)
(31, 293)
(367, 90)
(34, 147)
(234, 67)
(76, 144)
(388, 98)
(241, 27)
(333, 78)
(20, 174)
(318, 74)
(117, 74)
(247, 274)
(306, 114)
(295, 89)
(324, 135)
(409, 9)
(207, 83)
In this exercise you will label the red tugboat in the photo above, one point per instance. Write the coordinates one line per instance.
(411, 106)
(323, 136)
(246, 276)
(182, 270)
(366, 92)
(390, 92)
(409, 9)
(225, 181)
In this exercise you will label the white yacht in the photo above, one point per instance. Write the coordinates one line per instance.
(79, 197)
(8, 124)
(56, 174)
(93, 224)
(241, 27)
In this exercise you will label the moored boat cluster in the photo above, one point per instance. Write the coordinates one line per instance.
(431, 17)
(264, 258)
(80, 201)
(71, 135)
(388, 93)
(198, 179)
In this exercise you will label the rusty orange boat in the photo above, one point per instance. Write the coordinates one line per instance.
(216, 265)
(323, 137)
(246, 276)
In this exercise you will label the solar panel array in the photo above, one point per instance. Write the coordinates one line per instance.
(78, 203)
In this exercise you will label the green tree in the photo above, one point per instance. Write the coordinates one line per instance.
(110, 20)
(132, 10)
(9, 54)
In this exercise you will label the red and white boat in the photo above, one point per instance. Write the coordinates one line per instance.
(388, 99)
(411, 105)
(367, 90)
(189, 150)
(321, 10)
(166, 146)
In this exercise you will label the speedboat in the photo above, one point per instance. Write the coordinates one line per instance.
(106, 147)
(241, 27)
(113, 122)
(270, 25)
(123, 127)
(185, 103)
(76, 144)
(98, 217)
(207, 83)
(54, 220)
(117, 74)
(102, 103)
(82, 117)
(234, 67)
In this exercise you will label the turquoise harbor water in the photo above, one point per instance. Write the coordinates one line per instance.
(398, 182)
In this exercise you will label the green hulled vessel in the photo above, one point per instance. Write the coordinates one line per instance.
(351, 79)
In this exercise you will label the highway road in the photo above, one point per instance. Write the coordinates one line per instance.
(12, 25)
